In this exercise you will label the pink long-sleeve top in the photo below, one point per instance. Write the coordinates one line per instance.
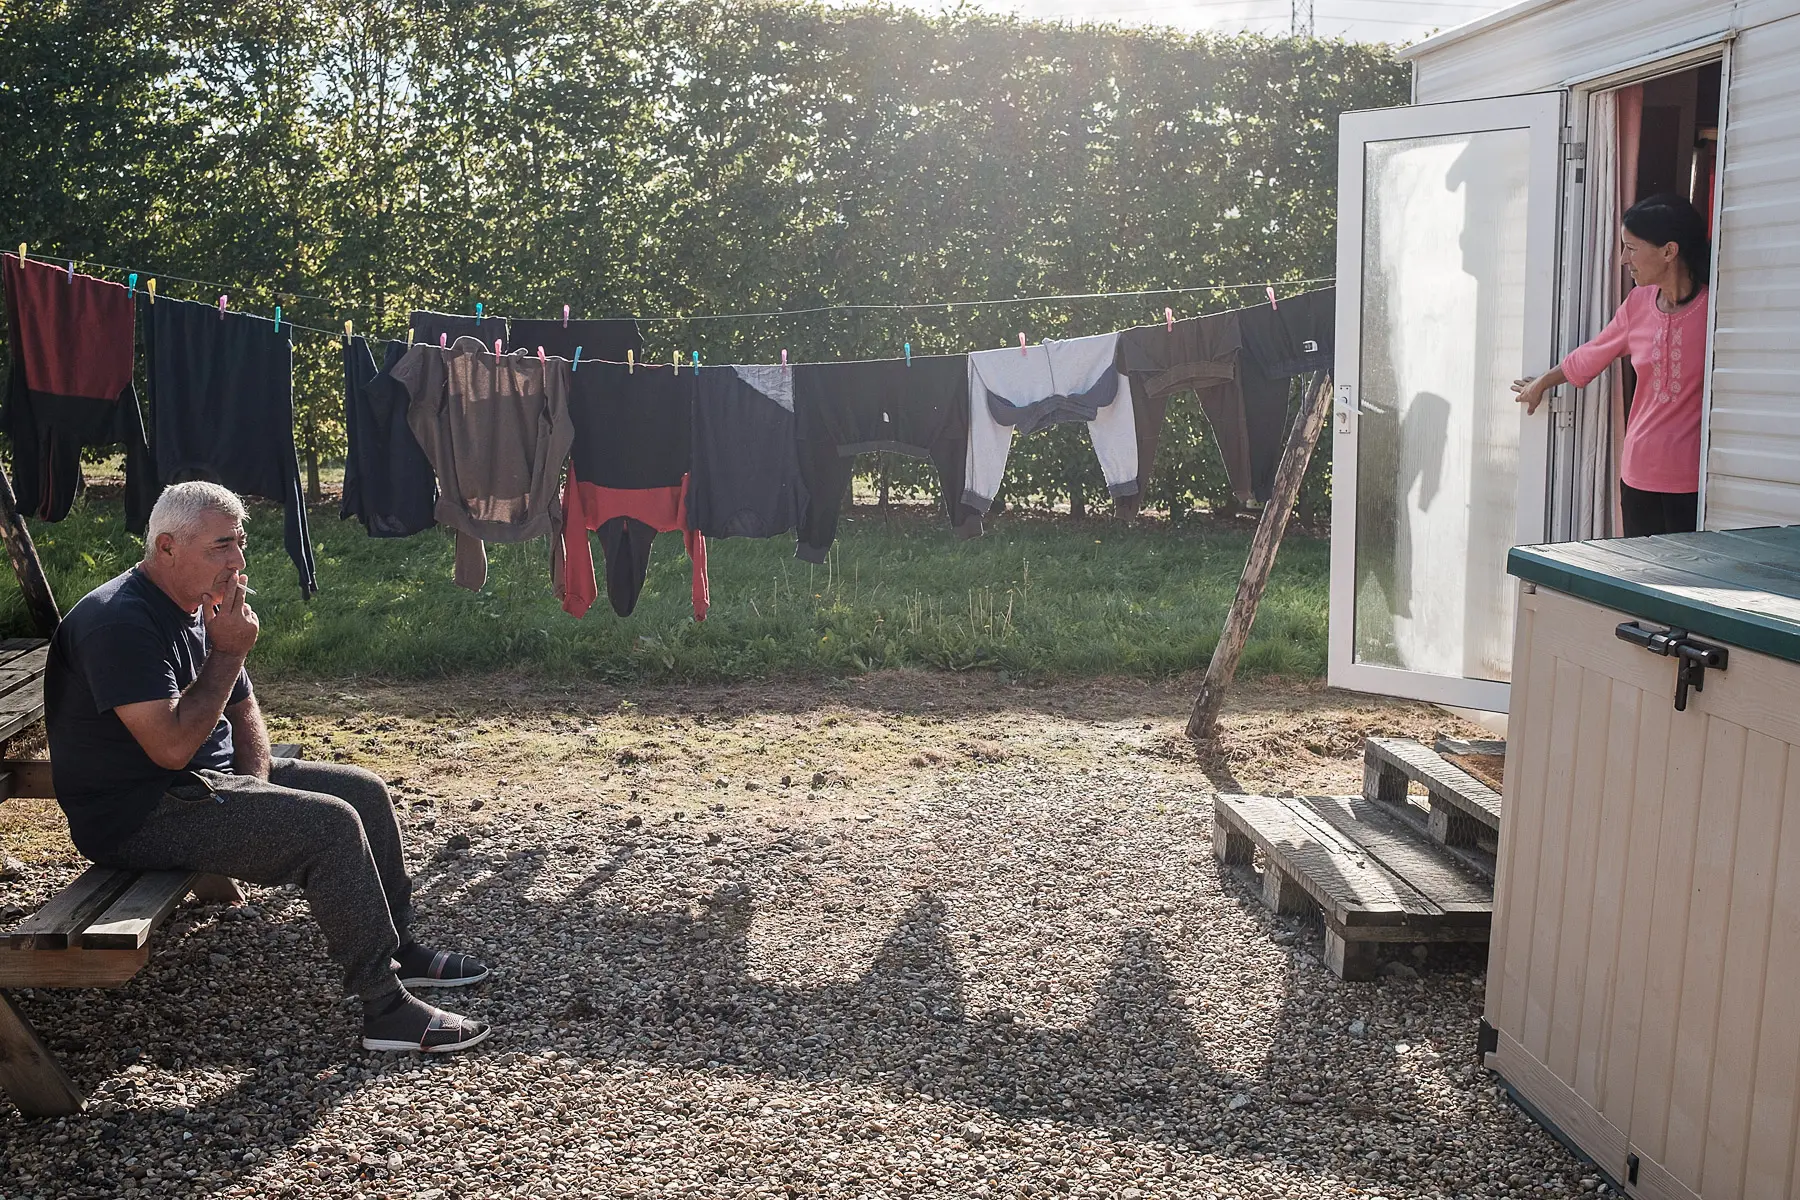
(1668, 350)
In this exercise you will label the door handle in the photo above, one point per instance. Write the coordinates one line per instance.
(1343, 405)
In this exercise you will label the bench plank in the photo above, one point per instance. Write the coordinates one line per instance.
(129, 921)
(70, 910)
(70, 968)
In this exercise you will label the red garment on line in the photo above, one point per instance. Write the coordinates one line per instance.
(587, 506)
(74, 337)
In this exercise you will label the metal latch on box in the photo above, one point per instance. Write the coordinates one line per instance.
(1692, 656)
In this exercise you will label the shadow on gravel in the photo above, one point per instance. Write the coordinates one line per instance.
(673, 988)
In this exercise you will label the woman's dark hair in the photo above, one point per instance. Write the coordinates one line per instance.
(1667, 217)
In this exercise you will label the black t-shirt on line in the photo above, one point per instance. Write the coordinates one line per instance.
(125, 642)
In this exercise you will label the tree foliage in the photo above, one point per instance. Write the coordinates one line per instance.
(352, 159)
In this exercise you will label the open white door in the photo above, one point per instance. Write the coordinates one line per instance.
(1447, 227)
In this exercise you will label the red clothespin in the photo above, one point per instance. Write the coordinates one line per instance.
(1021, 343)
(222, 300)
(565, 316)
(1270, 292)
(1169, 319)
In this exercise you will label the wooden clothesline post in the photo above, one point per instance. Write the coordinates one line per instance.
(40, 602)
(1204, 720)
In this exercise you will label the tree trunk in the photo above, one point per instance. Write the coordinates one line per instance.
(1077, 500)
(882, 496)
(33, 586)
(1204, 720)
(314, 493)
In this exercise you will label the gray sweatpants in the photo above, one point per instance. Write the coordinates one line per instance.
(327, 827)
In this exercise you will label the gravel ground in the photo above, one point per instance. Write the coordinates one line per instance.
(1025, 979)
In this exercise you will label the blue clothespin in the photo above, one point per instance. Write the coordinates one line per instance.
(909, 354)
(132, 283)
(696, 362)
(577, 364)
(278, 318)
(478, 312)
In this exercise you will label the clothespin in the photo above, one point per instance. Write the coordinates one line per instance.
(443, 341)
(576, 366)
(784, 365)
(478, 312)
(151, 288)
(71, 270)
(1169, 319)
(696, 362)
(22, 254)
(496, 347)
(631, 362)
(131, 284)
(1270, 292)
(541, 361)
(908, 349)
(565, 316)
(278, 318)
(675, 361)
(1021, 343)
(409, 335)
(222, 300)
(347, 324)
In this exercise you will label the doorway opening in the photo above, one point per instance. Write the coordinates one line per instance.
(1659, 135)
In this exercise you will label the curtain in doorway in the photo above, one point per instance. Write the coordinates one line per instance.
(1614, 126)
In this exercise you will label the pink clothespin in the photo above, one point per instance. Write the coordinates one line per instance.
(1270, 292)
(565, 316)
(222, 300)
(784, 360)
(1169, 319)
(1021, 343)
(496, 347)
(444, 341)
(541, 361)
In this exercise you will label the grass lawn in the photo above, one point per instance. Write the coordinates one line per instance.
(1039, 595)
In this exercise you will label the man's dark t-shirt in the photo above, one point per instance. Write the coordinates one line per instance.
(125, 642)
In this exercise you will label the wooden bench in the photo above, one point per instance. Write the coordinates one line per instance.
(1374, 879)
(1464, 813)
(94, 933)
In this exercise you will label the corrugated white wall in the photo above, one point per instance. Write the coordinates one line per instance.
(1753, 448)
(1753, 455)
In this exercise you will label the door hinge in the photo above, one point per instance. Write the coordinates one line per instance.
(1631, 1169)
(1692, 656)
(1487, 1040)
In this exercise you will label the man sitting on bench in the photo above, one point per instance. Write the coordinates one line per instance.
(161, 761)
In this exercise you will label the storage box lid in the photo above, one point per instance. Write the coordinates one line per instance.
(1740, 586)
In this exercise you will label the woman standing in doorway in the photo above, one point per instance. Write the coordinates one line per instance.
(1662, 326)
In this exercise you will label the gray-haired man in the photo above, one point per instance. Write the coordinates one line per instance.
(161, 761)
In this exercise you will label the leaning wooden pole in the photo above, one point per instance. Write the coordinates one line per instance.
(39, 600)
(1204, 720)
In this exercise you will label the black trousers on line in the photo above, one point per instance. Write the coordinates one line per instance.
(1649, 513)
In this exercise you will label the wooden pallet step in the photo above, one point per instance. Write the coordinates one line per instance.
(1461, 805)
(1373, 879)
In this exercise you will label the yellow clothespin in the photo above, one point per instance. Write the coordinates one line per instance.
(631, 362)
(21, 251)
(409, 335)
(346, 331)
(151, 288)
(675, 360)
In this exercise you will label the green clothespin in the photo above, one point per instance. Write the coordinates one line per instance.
(278, 318)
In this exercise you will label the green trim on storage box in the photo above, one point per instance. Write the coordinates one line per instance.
(1740, 587)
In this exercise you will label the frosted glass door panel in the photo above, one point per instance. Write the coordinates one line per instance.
(1444, 281)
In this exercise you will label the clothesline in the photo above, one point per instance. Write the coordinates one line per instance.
(917, 306)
